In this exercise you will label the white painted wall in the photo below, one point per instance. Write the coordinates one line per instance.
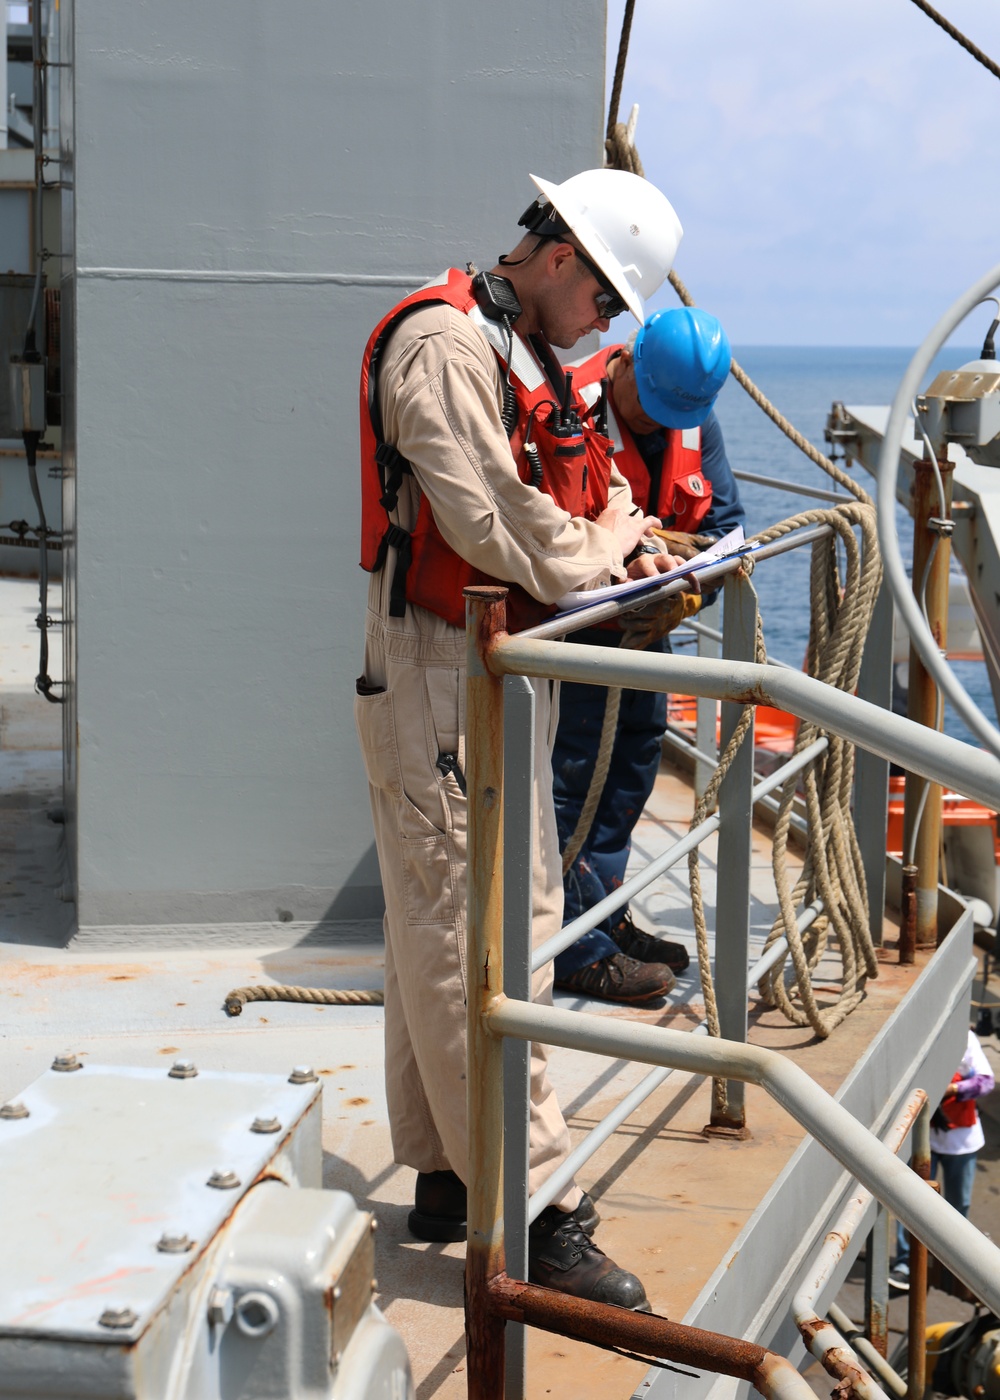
(253, 185)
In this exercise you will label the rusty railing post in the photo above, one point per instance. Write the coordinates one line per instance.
(485, 617)
(922, 811)
(916, 1377)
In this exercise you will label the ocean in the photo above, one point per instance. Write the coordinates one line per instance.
(803, 382)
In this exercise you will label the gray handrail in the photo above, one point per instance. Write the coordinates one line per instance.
(919, 750)
(948, 1235)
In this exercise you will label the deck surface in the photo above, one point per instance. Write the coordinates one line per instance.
(671, 1201)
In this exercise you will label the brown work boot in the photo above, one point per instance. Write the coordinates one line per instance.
(563, 1257)
(619, 978)
(644, 947)
(438, 1212)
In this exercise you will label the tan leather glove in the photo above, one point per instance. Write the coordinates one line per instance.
(677, 542)
(655, 621)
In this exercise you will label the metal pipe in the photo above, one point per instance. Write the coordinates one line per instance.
(794, 487)
(568, 935)
(937, 756)
(601, 1325)
(564, 623)
(889, 1378)
(951, 1238)
(922, 811)
(916, 1348)
(484, 1255)
(714, 635)
(556, 1184)
(888, 471)
(821, 1337)
(908, 916)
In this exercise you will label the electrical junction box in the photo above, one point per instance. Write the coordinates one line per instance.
(963, 406)
(165, 1237)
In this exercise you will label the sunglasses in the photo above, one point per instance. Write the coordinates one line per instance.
(608, 301)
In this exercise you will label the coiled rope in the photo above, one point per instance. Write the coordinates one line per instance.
(313, 996)
(832, 870)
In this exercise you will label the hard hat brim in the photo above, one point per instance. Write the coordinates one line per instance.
(595, 248)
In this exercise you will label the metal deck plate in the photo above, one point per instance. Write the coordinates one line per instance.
(108, 1160)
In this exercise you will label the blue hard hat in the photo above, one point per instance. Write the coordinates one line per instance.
(681, 360)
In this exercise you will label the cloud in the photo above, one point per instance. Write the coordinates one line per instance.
(833, 163)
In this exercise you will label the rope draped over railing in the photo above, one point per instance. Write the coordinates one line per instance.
(840, 618)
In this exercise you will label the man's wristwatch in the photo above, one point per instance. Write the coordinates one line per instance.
(642, 548)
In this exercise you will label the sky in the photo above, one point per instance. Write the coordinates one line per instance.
(834, 163)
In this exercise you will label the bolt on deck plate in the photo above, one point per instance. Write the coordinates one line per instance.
(143, 1148)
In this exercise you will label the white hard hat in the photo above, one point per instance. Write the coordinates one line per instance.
(624, 223)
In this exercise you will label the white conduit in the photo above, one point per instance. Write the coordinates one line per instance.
(888, 471)
(822, 1338)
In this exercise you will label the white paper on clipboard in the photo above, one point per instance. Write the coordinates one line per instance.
(733, 543)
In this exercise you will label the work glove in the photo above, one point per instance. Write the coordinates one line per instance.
(649, 624)
(677, 542)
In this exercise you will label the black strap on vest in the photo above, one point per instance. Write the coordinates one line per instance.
(402, 542)
(392, 467)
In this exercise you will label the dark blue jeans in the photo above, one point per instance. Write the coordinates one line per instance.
(959, 1172)
(599, 869)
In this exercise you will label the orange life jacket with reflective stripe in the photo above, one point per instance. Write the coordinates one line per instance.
(682, 497)
(571, 466)
(960, 1113)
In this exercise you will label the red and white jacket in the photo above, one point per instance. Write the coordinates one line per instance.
(683, 495)
(575, 470)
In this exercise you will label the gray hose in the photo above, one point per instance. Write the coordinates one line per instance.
(888, 470)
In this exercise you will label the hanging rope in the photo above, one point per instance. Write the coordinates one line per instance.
(313, 996)
(958, 36)
(621, 154)
(832, 869)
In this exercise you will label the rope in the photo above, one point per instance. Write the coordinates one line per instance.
(622, 154)
(743, 379)
(585, 821)
(959, 37)
(832, 869)
(313, 996)
(616, 84)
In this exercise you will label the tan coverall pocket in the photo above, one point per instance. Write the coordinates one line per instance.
(408, 838)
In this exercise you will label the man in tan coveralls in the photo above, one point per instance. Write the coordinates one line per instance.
(440, 389)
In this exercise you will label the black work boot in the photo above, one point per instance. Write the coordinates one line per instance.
(438, 1213)
(563, 1257)
(620, 978)
(637, 943)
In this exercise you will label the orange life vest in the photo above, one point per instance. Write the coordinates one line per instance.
(960, 1113)
(683, 495)
(574, 469)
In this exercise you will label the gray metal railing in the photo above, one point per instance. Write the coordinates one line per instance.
(502, 1019)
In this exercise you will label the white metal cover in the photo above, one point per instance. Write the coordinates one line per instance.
(110, 1159)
